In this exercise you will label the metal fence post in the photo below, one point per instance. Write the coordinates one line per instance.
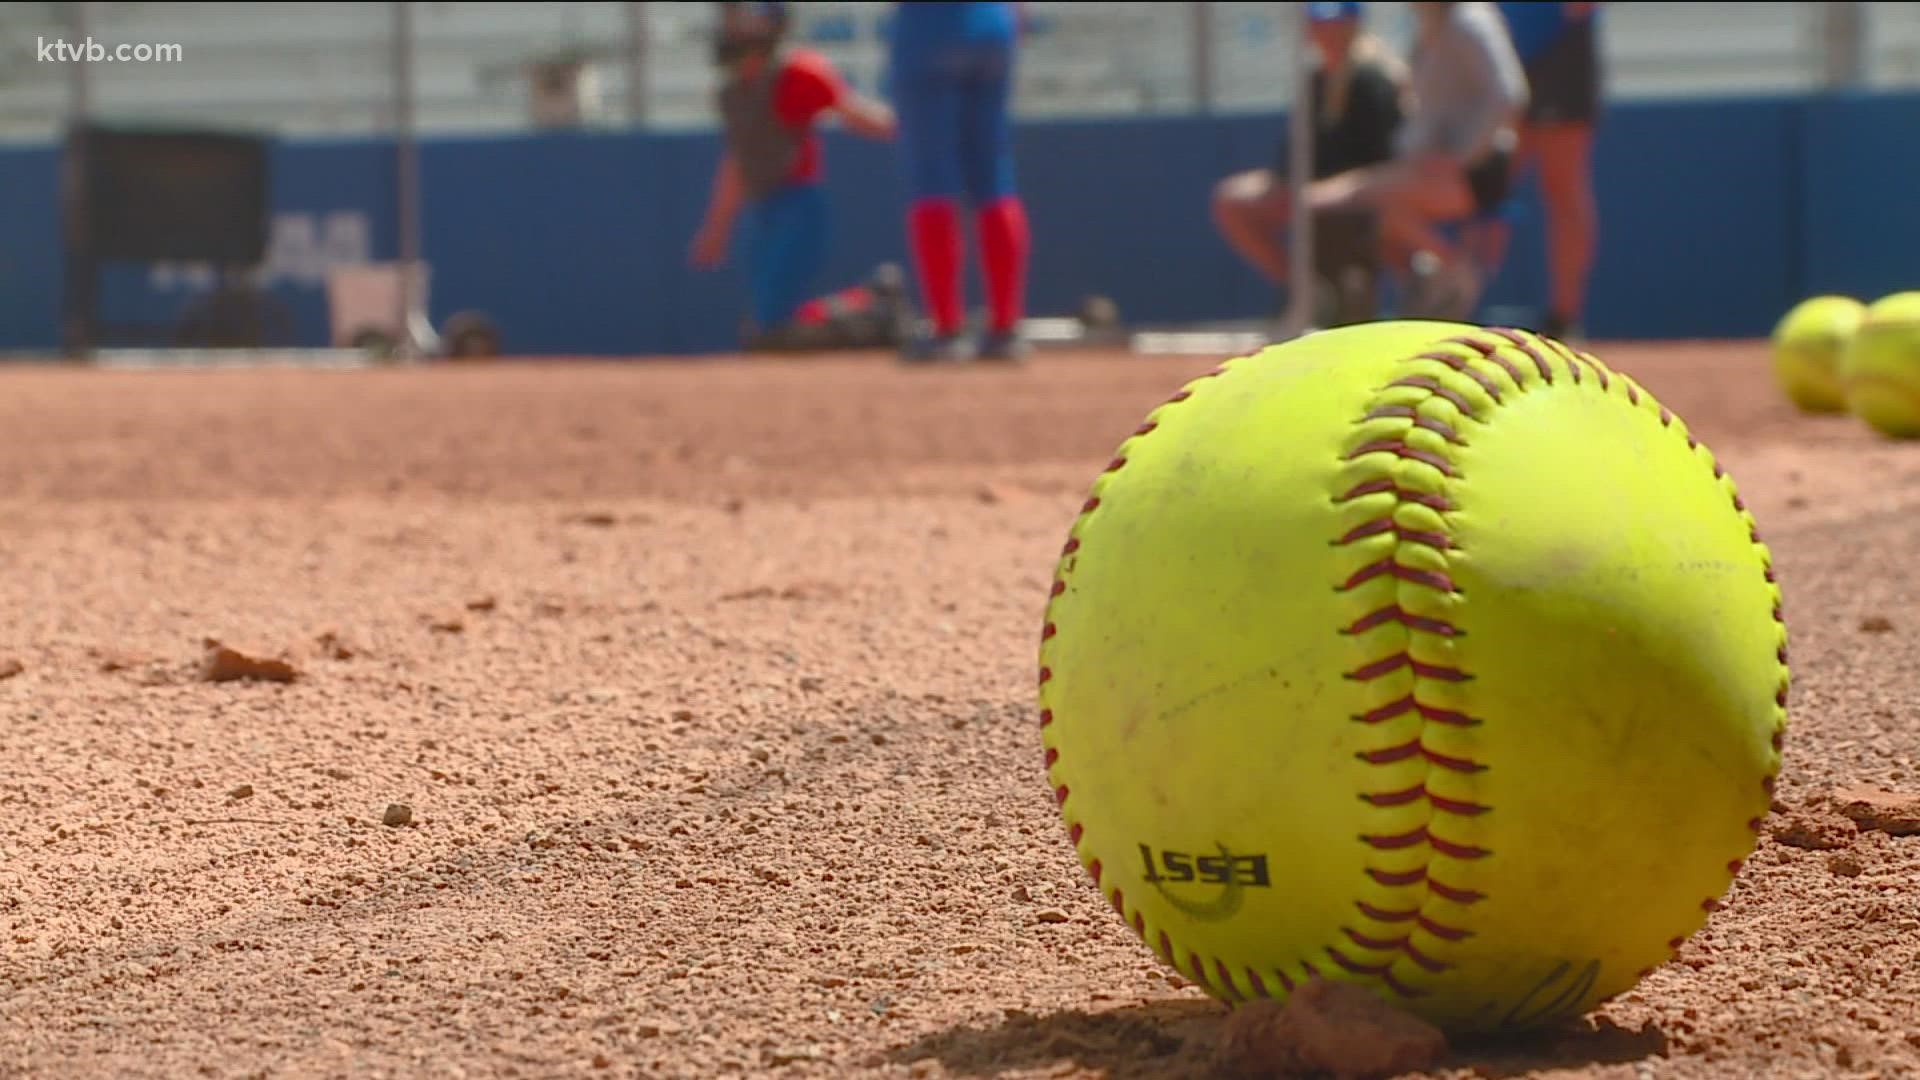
(1843, 33)
(1201, 27)
(637, 63)
(406, 180)
(1300, 124)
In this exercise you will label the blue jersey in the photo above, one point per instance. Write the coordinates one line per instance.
(1536, 27)
(939, 24)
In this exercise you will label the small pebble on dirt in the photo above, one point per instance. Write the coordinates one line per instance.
(1875, 624)
(221, 664)
(332, 647)
(10, 668)
(244, 791)
(397, 814)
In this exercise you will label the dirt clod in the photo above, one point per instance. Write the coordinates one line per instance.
(10, 668)
(1813, 830)
(397, 814)
(221, 664)
(1880, 811)
(1328, 1027)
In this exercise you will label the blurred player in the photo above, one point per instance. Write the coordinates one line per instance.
(951, 71)
(1453, 156)
(1357, 95)
(770, 102)
(1559, 44)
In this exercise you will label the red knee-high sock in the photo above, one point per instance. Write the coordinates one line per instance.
(1004, 244)
(933, 225)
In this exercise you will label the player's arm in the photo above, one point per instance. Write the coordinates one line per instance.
(723, 206)
(810, 87)
(866, 116)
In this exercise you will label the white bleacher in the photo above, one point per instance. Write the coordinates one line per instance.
(324, 68)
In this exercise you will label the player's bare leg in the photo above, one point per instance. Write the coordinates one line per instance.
(1251, 209)
(1564, 153)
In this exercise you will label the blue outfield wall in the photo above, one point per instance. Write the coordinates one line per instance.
(1715, 216)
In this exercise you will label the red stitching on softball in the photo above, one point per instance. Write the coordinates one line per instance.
(1458, 896)
(1052, 756)
(1491, 352)
(1400, 988)
(1519, 341)
(1376, 944)
(1259, 984)
(1433, 579)
(1226, 978)
(1443, 931)
(1400, 449)
(1427, 712)
(1410, 750)
(1423, 835)
(1390, 664)
(1413, 953)
(1073, 545)
(1095, 869)
(1400, 615)
(1432, 386)
(1379, 914)
(1046, 717)
(1198, 969)
(1385, 487)
(1381, 526)
(1419, 421)
(1355, 967)
(1465, 367)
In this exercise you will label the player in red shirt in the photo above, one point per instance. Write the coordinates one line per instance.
(770, 103)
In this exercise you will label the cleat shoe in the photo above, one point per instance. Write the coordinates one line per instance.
(1005, 346)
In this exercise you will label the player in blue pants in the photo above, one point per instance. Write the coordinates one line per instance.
(951, 73)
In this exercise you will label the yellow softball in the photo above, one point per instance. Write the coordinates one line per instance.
(1437, 659)
(1807, 346)
(1881, 367)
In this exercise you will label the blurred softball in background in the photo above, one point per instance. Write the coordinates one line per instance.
(1807, 348)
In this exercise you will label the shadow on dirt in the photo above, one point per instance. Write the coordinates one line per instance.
(1164, 1040)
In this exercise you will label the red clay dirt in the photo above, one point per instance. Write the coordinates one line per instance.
(676, 719)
